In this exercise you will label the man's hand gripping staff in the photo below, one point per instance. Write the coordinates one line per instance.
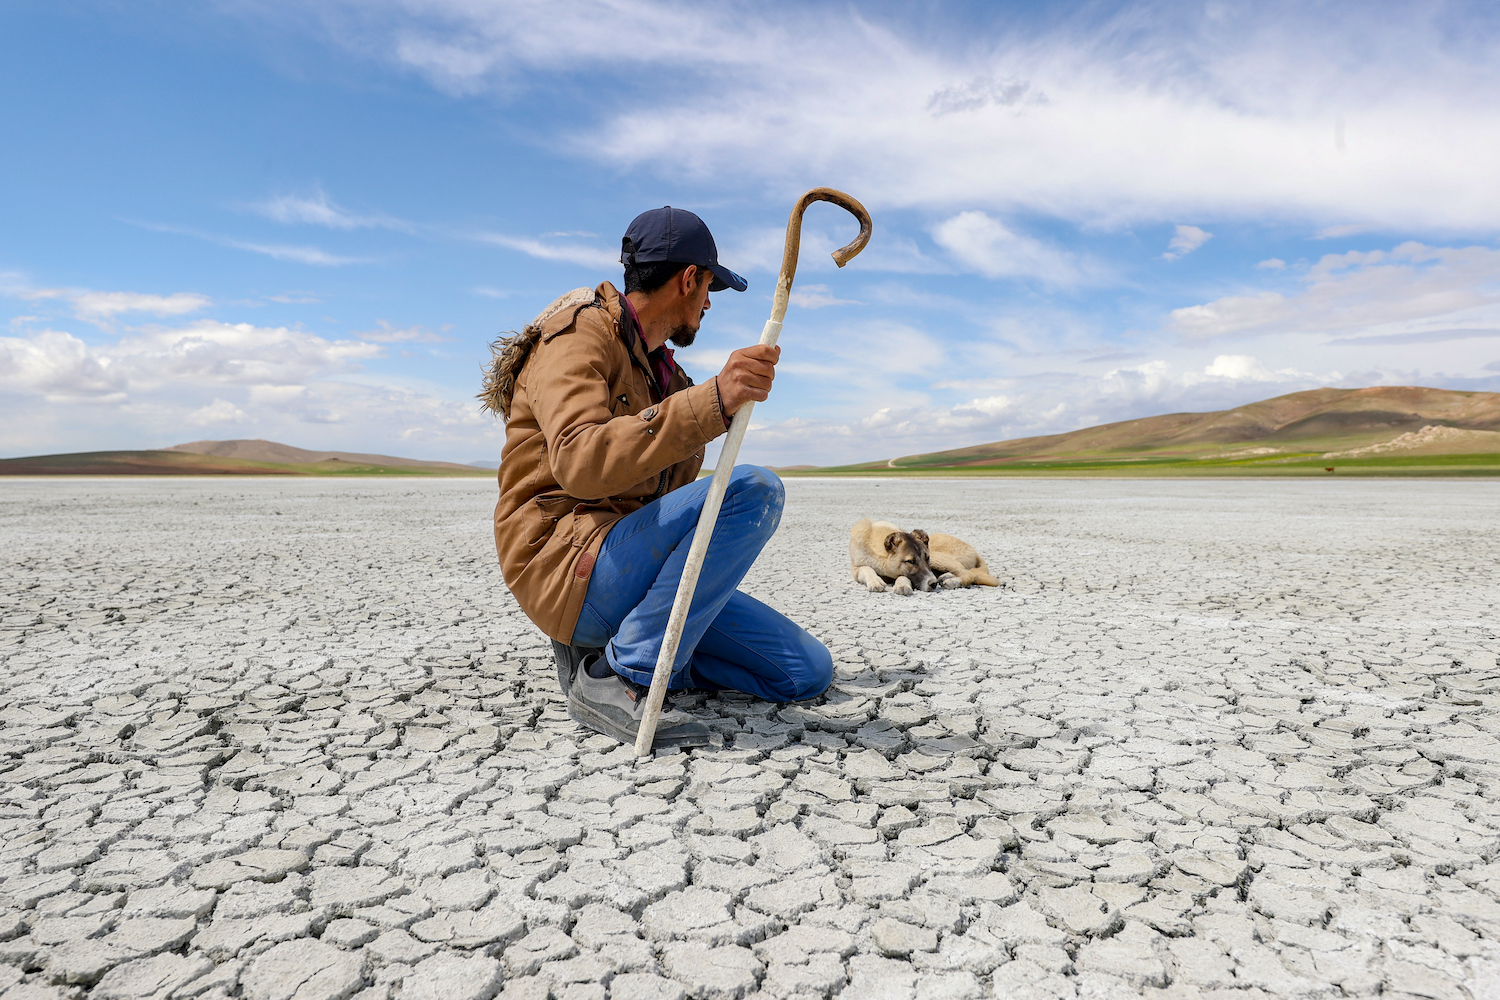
(745, 380)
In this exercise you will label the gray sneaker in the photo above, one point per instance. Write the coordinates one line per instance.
(570, 661)
(614, 706)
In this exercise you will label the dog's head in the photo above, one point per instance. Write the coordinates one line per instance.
(908, 551)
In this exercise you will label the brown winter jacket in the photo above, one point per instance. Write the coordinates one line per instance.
(591, 437)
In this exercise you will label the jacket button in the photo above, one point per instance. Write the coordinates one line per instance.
(650, 430)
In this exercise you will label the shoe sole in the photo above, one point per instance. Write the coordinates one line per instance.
(585, 716)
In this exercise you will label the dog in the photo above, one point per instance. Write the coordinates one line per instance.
(881, 553)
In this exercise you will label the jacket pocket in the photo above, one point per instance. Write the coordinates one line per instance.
(590, 518)
(553, 507)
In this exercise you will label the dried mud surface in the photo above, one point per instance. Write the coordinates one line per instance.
(293, 739)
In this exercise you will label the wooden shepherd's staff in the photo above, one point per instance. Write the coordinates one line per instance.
(710, 515)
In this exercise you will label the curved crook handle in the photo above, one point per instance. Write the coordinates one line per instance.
(841, 256)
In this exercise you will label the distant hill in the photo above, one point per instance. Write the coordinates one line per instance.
(257, 450)
(228, 458)
(1383, 425)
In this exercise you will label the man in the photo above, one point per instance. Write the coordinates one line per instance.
(599, 496)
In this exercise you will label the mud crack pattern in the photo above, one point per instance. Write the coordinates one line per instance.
(293, 739)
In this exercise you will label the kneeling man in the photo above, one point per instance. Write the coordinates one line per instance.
(599, 494)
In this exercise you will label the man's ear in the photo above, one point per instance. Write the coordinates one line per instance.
(920, 536)
(892, 540)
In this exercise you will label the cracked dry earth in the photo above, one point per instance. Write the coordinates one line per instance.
(292, 739)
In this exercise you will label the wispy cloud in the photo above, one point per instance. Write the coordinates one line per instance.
(1417, 337)
(100, 308)
(566, 253)
(982, 92)
(277, 251)
(1339, 232)
(317, 209)
(387, 334)
(1358, 290)
(316, 256)
(817, 297)
(1185, 240)
(1215, 111)
(981, 243)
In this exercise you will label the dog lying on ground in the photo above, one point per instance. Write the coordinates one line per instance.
(881, 553)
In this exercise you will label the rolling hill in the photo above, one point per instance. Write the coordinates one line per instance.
(257, 450)
(230, 458)
(1379, 427)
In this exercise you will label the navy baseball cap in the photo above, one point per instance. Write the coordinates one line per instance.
(679, 236)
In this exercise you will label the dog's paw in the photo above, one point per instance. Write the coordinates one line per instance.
(877, 587)
(950, 581)
(903, 587)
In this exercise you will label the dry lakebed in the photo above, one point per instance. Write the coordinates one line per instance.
(284, 738)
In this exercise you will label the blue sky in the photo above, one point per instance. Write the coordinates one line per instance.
(305, 221)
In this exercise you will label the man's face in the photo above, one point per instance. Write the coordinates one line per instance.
(693, 305)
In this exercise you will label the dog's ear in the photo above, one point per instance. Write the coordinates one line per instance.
(921, 536)
(892, 540)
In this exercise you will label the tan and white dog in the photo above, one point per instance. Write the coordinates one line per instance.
(882, 554)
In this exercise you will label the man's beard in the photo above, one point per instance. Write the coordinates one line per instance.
(683, 335)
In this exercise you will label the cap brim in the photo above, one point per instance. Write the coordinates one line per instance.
(725, 278)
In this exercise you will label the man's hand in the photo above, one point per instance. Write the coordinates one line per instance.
(747, 376)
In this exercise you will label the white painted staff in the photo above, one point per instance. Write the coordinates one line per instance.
(710, 515)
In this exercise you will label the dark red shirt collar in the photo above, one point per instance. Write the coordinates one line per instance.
(661, 358)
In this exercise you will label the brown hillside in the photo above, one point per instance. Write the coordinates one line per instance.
(259, 458)
(257, 450)
(1319, 418)
(137, 463)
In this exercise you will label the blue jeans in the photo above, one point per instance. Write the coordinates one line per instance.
(731, 640)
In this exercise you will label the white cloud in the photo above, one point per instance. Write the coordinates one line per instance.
(1048, 403)
(761, 248)
(567, 253)
(60, 393)
(1322, 112)
(1358, 291)
(103, 307)
(388, 334)
(1244, 368)
(817, 297)
(981, 92)
(60, 365)
(296, 254)
(57, 365)
(220, 411)
(1417, 336)
(1339, 232)
(318, 209)
(986, 245)
(107, 305)
(1185, 240)
(1272, 264)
